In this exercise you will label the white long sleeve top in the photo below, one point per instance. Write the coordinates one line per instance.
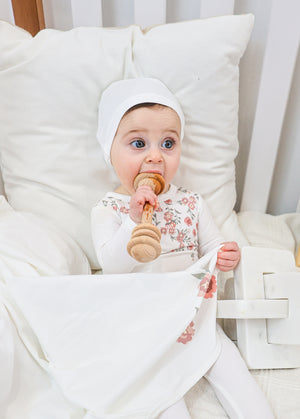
(187, 229)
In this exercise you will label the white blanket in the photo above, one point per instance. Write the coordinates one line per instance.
(110, 342)
(111, 346)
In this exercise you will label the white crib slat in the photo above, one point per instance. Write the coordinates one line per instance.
(86, 13)
(277, 73)
(298, 205)
(210, 8)
(148, 13)
(11, 12)
(6, 11)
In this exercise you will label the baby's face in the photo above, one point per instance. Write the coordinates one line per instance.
(147, 140)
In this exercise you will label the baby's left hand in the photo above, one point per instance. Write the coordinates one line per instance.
(228, 257)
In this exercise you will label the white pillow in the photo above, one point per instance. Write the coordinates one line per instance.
(50, 89)
(33, 247)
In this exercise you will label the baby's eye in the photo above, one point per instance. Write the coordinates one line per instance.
(138, 143)
(168, 143)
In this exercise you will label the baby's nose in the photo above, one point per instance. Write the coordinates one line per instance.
(154, 156)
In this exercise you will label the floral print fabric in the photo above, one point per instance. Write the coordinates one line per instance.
(207, 289)
(176, 217)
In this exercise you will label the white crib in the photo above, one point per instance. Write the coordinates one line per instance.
(273, 69)
(260, 306)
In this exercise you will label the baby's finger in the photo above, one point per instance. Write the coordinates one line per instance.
(145, 194)
(228, 246)
(144, 191)
(228, 255)
(225, 264)
(229, 266)
(144, 188)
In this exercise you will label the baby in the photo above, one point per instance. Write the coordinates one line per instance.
(141, 130)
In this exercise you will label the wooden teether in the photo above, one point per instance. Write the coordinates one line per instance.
(298, 257)
(144, 245)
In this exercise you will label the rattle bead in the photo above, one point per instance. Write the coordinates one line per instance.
(154, 180)
(144, 248)
(144, 245)
(298, 257)
(148, 230)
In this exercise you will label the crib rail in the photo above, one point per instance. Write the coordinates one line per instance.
(267, 288)
(276, 79)
(29, 14)
(268, 174)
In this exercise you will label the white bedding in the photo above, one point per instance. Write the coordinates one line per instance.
(32, 246)
(282, 387)
(29, 247)
(96, 341)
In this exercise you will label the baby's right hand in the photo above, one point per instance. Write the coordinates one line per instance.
(143, 195)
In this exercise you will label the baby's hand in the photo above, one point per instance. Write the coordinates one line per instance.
(228, 257)
(143, 195)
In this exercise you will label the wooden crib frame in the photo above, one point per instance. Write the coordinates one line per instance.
(29, 14)
(275, 86)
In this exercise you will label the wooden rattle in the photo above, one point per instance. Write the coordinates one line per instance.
(298, 257)
(144, 245)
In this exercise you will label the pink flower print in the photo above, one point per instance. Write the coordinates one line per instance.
(194, 233)
(163, 230)
(190, 246)
(187, 335)
(159, 208)
(124, 210)
(184, 201)
(115, 207)
(188, 221)
(172, 228)
(191, 205)
(180, 238)
(168, 216)
(168, 202)
(208, 286)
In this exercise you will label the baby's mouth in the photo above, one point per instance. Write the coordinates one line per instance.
(152, 171)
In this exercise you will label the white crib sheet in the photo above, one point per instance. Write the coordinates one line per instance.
(265, 230)
(281, 387)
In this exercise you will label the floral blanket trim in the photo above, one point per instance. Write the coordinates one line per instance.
(206, 289)
(188, 334)
(207, 286)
